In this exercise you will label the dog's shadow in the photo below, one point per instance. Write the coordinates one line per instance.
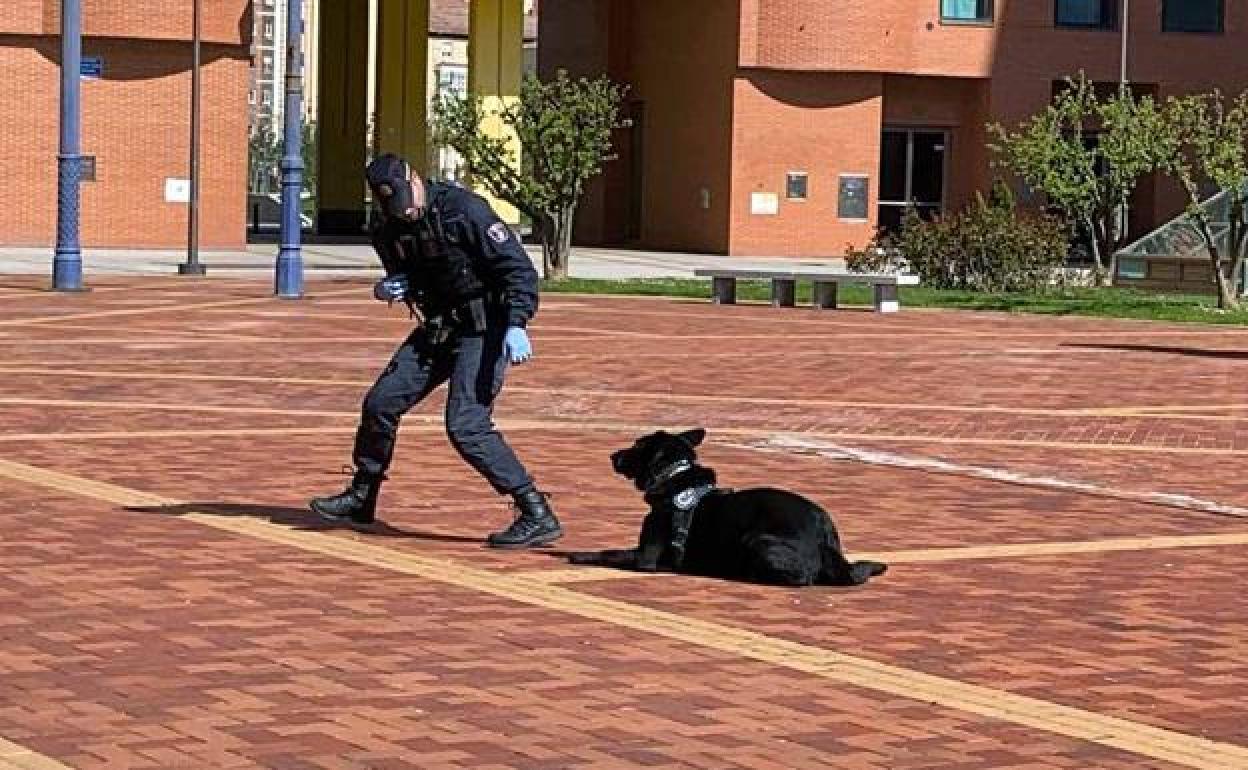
(299, 519)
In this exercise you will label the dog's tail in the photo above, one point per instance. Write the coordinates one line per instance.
(839, 571)
(862, 571)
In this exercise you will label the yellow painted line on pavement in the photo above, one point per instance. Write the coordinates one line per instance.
(953, 553)
(1123, 734)
(15, 757)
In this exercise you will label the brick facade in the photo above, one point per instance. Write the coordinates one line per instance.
(135, 121)
(811, 85)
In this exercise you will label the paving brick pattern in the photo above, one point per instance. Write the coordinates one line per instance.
(140, 638)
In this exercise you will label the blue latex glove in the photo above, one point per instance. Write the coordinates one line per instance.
(516, 345)
(391, 288)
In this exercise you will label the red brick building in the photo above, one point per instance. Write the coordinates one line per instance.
(135, 116)
(791, 127)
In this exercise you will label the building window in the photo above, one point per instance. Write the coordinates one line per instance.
(1193, 16)
(796, 186)
(268, 31)
(1136, 269)
(452, 79)
(975, 11)
(852, 195)
(913, 173)
(1098, 14)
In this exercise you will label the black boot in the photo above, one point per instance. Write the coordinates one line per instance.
(536, 524)
(356, 506)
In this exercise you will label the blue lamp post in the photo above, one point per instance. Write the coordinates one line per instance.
(289, 279)
(67, 262)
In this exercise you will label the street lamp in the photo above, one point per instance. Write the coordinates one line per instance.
(67, 262)
(1126, 23)
(289, 278)
(192, 265)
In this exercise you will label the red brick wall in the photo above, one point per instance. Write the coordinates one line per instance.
(135, 122)
(820, 123)
(221, 21)
(895, 36)
(22, 17)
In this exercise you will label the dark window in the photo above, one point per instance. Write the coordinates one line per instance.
(1192, 16)
(852, 197)
(912, 174)
(894, 165)
(1086, 13)
(966, 10)
(796, 185)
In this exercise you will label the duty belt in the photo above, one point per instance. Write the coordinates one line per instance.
(472, 315)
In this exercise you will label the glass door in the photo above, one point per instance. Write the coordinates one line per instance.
(912, 174)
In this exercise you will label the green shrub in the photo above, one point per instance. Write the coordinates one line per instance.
(990, 246)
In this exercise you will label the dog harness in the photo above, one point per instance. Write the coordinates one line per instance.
(682, 505)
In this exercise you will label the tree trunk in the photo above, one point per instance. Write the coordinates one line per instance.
(557, 244)
(1112, 239)
(1226, 292)
(1098, 272)
(1239, 242)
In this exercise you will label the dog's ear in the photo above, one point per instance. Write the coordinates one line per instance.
(694, 437)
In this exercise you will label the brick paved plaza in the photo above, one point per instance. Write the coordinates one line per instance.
(1061, 501)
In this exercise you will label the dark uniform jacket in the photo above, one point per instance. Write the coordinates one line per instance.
(458, 252)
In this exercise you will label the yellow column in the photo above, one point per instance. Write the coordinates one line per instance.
(402, 72)
(342, 115)
(495, 66)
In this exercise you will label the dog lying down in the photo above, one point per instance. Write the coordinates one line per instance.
(759, 535)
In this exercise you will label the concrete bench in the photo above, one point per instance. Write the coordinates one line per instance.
(784, 285)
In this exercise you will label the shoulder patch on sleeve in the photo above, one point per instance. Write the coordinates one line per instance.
(499, 232)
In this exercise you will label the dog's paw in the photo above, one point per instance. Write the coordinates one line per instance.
(582, 557)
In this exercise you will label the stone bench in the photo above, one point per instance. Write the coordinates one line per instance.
(784, 285)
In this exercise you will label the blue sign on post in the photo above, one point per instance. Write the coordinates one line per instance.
(92, 67)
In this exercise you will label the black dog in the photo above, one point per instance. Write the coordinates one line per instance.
(759, 535)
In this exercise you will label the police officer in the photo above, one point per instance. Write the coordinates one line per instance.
(453, 261)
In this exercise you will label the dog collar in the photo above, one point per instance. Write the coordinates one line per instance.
(667, 474)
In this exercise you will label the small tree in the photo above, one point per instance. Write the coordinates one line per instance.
(1206, 144)
(264, 154)
(264, 159)
(563, 128)
(1086, 155)
(311, 168)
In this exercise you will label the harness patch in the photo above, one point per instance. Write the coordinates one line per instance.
(687, 499)
(499, 232)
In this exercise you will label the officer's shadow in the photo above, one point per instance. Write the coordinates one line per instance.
(299, 519)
